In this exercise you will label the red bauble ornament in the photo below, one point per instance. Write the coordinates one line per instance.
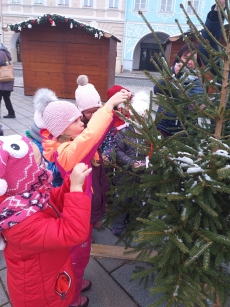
(32, 21)
(51, 21)
(81, 25)
(24, 27)
(75, 26)
(48, 16)
(66, 20)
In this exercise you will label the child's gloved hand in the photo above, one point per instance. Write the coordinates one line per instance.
(118, 98)
(77, 177)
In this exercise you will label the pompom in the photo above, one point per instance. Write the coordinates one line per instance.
(2, 243)
(3, 187)
(38, 119)
(82, 80)
(42, 98)
(140, 103)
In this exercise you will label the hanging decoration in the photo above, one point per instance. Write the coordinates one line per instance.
(55, 20)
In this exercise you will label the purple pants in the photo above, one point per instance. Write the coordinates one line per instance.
(80, 255)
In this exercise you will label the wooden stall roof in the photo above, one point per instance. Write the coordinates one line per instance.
(53, 19)
(180, 36)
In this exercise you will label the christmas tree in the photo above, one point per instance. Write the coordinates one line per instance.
(181, 202)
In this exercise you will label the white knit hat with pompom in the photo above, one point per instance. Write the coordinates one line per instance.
(140, 103)
(86, 95)
(53, 114)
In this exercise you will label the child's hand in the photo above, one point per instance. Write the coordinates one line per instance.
(105, 159)
(177, 67)
(118, 98)
(136, 165)
(78, 176)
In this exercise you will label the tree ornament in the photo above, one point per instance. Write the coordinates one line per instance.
(24, 27)
(19, 28)
(75, 26)
(96, 35)
(66, 20)
(53, 24)
(29, 26)
(48, 16)
(32, 21)
(81, 25)
(71, 25)
(100, 34)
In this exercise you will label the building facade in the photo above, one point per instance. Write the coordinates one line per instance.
(103, 14)
(139, 44)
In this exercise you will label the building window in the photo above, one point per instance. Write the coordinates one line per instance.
(140, 5)
(195, 4)
(63, 2)
(88, 2)
(113, 4)
(166, 6)
(38, 1)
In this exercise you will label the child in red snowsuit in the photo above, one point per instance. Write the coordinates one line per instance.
(37, 224)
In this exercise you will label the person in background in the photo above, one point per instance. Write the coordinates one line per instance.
(213, 24)
(39, 224)
(170, 126)
(6, 87)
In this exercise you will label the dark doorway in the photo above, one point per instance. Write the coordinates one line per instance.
(147, 53)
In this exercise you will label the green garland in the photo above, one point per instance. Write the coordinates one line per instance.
(53, 20)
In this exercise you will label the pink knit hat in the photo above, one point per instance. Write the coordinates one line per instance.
(53, 114)
(86, 95)
(19, 171)
(58, 115)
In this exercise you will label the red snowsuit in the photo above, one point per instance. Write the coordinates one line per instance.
(40, 271)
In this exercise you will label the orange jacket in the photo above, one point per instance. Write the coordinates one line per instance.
(39, 267)
(83, 148)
